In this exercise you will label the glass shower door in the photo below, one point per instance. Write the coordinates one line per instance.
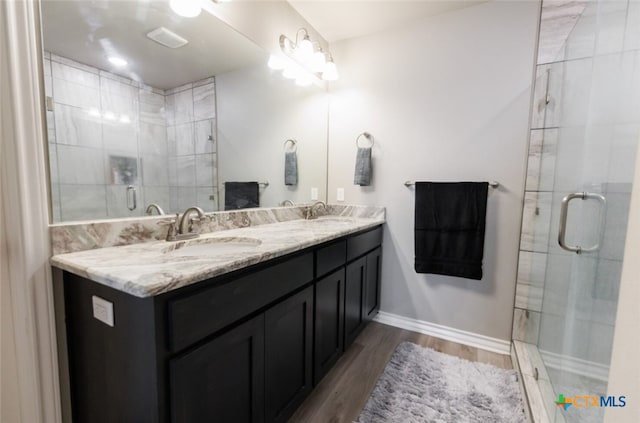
(593, 124)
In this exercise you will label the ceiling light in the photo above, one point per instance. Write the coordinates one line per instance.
(117, 61)
(186, 8)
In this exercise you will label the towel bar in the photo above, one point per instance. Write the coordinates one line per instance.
(492, 184)
(264, 184)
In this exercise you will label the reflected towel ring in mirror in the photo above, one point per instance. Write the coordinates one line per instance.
(294, 145)
(367, 136)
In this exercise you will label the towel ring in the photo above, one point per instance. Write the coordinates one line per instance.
(367, 136)
(294, 145)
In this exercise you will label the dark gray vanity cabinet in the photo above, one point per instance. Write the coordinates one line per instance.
(222, 380)
(371, 295)
(247, 346)
(288, 355)
(329, 322)
(354, 299)
(362, 283)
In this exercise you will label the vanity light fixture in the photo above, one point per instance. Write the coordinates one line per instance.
(303, 59)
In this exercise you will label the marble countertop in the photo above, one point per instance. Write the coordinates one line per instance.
(156, 267)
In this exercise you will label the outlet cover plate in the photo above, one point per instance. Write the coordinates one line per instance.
(102, 310)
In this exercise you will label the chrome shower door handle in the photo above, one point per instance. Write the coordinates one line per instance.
(564, 209)
(133, 204)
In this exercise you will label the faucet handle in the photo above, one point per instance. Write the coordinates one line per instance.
(308, 213)
(173, 227)
(168, 221)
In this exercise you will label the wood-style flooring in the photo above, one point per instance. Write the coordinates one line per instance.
(343, 392)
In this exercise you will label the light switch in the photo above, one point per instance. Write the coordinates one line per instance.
(340, 194)
(314, 193)
(102, 310)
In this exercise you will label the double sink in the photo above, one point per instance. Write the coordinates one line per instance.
(152, 268)
(235, 245)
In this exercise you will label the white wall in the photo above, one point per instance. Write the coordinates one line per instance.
(447, 99)
(257, 111)
(624, 376)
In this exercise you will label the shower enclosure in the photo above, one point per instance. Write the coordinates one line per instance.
(585, 132)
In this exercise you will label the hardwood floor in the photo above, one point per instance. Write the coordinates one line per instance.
(343, 392)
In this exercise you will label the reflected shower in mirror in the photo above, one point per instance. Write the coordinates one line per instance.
(147, 107)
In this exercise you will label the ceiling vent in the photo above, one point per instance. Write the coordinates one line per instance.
(167, 38)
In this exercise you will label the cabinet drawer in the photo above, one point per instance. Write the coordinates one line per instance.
(199, 315)
(360, 244)
(330, 257)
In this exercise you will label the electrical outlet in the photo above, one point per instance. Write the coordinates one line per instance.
(340, 194)
(102, 310)
(314, 193)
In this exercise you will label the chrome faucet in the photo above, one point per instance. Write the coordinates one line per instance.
(153, 206)
(287, 203)
(311, 211)
(186, 223)
(181, 227)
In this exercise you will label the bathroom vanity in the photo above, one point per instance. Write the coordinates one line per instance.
(245, 343)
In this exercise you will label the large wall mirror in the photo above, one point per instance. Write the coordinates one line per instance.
(147, 107)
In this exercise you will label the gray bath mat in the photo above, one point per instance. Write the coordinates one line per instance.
(422, 385)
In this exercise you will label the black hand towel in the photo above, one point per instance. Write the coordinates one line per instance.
(241, 195)
(449, 228)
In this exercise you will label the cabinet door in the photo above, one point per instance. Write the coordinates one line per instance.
(223, 380)
(288, 355)
(329, 323)
(354, 290)
(372, 284)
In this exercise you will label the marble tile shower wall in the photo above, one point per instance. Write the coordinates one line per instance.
(578, 123)
(191, 112)
(106, 132)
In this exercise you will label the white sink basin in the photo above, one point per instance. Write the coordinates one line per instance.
(211, 246)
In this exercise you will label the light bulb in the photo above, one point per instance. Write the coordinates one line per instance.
(318, 62)
(305, 49)
(109, 116)
(276, 62)
(330, 72)
(186, 8)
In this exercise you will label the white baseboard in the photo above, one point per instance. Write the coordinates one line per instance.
(444, 332)
(575, 365)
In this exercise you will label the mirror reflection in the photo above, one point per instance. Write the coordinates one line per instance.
(150, 112)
